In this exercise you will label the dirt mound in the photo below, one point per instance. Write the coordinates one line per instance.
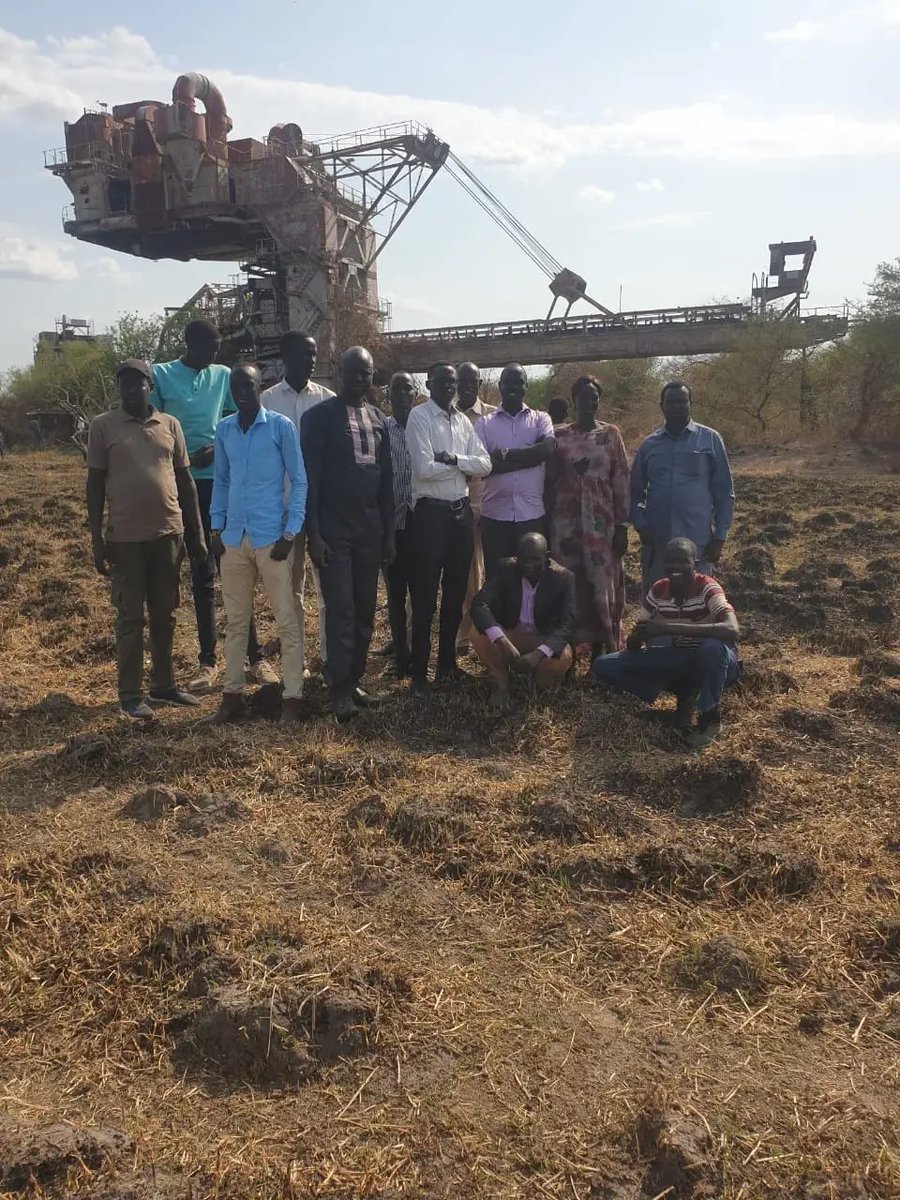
(43, 1156)
(276, 1035)
(54, 704)
(879, 664)
(811, 723)
(202, 814)
(680, 870)
(756, 560)
(774, 873)
(248, 1035)
(711, 787)
(759, 679)
(674, 868)
(680, 1154)
(274, 851)
(882, 944)
(370, 811)
(880, 701)
(421, 825)
(556, 819)
(153, 804)
(721, 962)
(178, 945)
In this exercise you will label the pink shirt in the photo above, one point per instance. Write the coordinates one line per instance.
(518, 495)
(526, 617)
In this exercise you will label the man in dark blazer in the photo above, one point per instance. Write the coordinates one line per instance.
(524, 618)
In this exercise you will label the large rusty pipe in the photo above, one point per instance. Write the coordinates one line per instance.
(193, 86)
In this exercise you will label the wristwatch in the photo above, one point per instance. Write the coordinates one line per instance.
(288, 537)
(215, 533)
(503, 453)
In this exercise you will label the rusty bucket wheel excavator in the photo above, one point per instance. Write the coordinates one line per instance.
(307, 221)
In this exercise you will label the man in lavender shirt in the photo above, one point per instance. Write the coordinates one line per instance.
(519, 440)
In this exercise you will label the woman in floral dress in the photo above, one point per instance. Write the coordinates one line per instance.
(587, 505)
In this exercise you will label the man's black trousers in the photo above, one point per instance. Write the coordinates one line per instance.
(350, 589)
(500, 539)
(398, 577)
(442, 545)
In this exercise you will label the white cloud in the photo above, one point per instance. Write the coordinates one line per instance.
(110, 268)
(596, 195)
(23, 257)
(855, 24)
(30, 85)
(58, 77)
(651, 185)
(803, 31)
(669, 220)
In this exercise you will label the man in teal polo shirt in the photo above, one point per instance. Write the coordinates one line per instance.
(195, 389)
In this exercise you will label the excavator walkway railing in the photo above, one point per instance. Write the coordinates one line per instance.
(651, 333)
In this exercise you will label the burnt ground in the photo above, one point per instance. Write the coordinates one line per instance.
(454, 954)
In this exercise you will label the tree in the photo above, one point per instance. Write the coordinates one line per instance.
(871, 357)
(133, 335)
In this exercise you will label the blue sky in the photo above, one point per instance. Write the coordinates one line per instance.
(658, 147)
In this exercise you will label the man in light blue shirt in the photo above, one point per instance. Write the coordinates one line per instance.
(681, 487)
(258, 509)
(194, 389)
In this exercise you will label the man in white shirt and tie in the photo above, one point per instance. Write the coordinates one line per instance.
(444, 450)
(294, 396)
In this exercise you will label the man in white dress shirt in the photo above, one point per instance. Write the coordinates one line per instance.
(444, 450)
(294, 396)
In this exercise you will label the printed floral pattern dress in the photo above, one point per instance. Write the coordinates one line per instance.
(587, 497)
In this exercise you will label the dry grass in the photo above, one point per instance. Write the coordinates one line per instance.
(454, 954)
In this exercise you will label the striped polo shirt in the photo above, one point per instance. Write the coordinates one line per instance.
(704, 604)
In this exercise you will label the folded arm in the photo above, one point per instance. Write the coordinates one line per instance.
(726, 629)
(525, 456)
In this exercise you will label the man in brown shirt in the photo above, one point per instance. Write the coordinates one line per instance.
(138, 469)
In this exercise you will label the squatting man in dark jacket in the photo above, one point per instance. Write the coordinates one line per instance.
(525, 619)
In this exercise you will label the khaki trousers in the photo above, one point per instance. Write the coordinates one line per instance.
(240, 567)
(525, 639)
(300, 566)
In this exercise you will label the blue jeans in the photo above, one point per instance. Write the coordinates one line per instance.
(707, 668)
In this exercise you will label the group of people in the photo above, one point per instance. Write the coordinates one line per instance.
(513, 519)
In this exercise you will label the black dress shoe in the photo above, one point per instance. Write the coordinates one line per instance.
(344, 709)
(420, 689)
(449, 675)
(363, 699)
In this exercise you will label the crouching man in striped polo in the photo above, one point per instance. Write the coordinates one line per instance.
(684, 642)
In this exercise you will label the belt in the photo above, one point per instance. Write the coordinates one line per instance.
(454, 505)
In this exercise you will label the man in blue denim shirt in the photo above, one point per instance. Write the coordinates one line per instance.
(254, 524)
(681, 487)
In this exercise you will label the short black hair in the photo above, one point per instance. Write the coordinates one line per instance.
(437, 366)
(674, 385)
(590, 379)
(200, 328)
(295, 337)
(557, 408)
(683, 544)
